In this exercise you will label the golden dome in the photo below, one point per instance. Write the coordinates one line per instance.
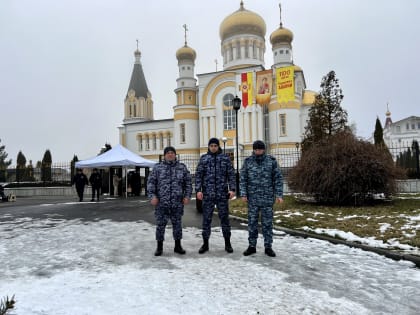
(297, 68)
(281, 35)
(185, 52)
(240, 22)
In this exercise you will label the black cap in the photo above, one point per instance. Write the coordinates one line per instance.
(258, 145)
(169, 149)
(214, 141)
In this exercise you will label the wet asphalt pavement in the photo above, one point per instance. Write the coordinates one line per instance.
(108, 208)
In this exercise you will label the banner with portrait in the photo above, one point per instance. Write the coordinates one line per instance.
(264, 87)
(285, 84)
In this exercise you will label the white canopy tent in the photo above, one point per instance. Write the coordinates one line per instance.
(118, 156)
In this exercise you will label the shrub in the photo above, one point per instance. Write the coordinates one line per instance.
(7, 304)
(344, 170)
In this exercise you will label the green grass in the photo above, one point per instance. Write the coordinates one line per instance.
(362, 221)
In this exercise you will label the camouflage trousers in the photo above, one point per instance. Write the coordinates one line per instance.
(162, 217)
(223, 210)
(266, 222)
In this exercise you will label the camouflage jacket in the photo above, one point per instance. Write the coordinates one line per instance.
(215, 175)
(261, 180)
(170, 182)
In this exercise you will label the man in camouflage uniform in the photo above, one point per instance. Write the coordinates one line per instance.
(261, 185)
(169, 188)
(215, 185)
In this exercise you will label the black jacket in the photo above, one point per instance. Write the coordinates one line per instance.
(95, 180)
(80, 180)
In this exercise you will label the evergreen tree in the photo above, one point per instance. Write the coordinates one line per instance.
(46, 167)
(20, 167)
(4, 163)
(416, 154)
(378, 134)
(326, 116)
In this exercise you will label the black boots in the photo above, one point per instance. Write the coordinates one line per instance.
(250, 250)
(159, 248)
(178, 248)
(228, 246)
(270, 252)
(205, 247)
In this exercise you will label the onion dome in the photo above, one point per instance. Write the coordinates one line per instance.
(308, 97)
(242, 21)
(281, 35)
(186, 52)
(297, 68)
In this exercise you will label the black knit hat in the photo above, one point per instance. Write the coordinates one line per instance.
(169, 149)
(214, 141)
(258, 145)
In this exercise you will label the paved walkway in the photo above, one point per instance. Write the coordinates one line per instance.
(138, 208)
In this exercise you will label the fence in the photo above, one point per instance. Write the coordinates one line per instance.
(404, 156)
(59, 172)
(286, 157)
(407, 157)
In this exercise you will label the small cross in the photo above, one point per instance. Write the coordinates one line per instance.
(185, 32)
(281, 24)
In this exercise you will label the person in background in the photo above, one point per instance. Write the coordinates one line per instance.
(95, 181)
(261, 185)
(80, 180)
(115, 182)
(215, 185)
(135, 183)
(2, 195)
(169, 188)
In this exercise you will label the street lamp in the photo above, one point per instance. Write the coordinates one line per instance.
(236, 106)
(224, 139)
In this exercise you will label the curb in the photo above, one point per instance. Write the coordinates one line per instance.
(384, 252)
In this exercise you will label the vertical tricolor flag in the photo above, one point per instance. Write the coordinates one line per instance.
(246, 87)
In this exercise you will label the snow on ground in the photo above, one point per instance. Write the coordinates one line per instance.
(56, 267)
(370, 241)
(412, 225)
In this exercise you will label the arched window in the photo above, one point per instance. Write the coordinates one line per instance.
(182, 133)
(228, 112)
(154, 142)
(147, 142)
(161, 141)
(140, 139)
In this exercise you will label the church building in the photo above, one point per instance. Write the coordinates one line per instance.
(274, 99)
(399, 136)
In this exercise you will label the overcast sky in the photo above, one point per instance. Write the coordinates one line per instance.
(65, 65)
